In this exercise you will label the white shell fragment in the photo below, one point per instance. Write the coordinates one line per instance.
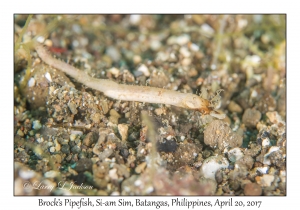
(114, 71)
(40, 39)
(271, 150)
(180, 40)
(113, 174)
(194, 47)
(211, 165)
(48, 77)
(207, 30)
(266, 142)
(252, 60)
(134, 19)
(51, 174)
(26, 174)
(235, 154)
(31, 82)
(36, 125)
(144, 70)
(263, 170)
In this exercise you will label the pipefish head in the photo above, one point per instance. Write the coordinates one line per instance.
(205, 109)
(199, 104)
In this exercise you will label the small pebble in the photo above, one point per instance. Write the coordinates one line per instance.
(183, 39)
(28, 174)
(272, 149)
(52, 149)
(235, 154)
(219, 176)
(20, 133)
(76, 149)
(102, 193)
(57, 145)
(282, 176)
(48, 43)
(90, 139)
(166, 146)
(265, 142)
(72, 171)
(140, 168)
(155, 45)
(266, 180)
(65, 149)
(76, 132)
(251, 117)
(113, 174)
(252, 189)
(36, 125)
(96, 117)
(40, 140)
(73, 108)
(31, 133)
(31, 82)
(150, 189)
(247, 161)
(186, 153)
(234, 107)
(219, 134)
(184, 52)
(137, 59)
(114, 71)
(159, 111)
(113, 53)
(124, 153)
(275, 118)
(48, 76)
(104, 106)
(252, 60)
(207, 30)
(134, 19)
(263, 170)
(84, 164)
(51, 174)
(137, 183)
(73, 137)
(122, 170)
(105, 154)
(114, 116)
(211, 165)
(144, 69)
(115, 193)
(235, 185)
(123, 130)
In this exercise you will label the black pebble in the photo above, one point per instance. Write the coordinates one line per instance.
(65, 149)
(79, 179)
(84, 164)
(124, 153)
(166, 146)
(76, 149)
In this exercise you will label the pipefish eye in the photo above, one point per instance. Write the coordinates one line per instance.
(204, 111)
